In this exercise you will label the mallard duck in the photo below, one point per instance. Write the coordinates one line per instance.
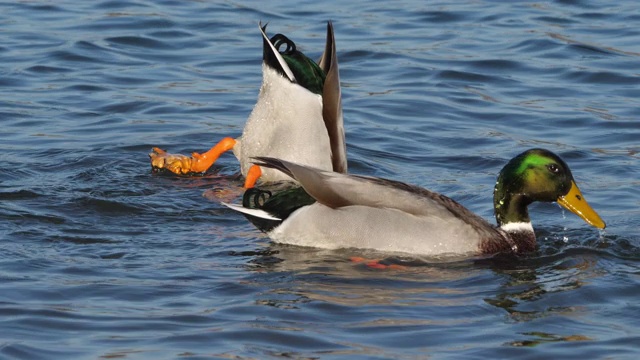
(298, 117)
(332, 210)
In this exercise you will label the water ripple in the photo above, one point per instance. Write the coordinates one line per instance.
(100, 258)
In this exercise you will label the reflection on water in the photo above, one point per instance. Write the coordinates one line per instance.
(541, 338)
(340, 294)
(536, 279)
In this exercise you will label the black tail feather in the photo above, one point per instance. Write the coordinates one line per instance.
(273, 163)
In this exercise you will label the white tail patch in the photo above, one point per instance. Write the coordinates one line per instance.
(253, 212)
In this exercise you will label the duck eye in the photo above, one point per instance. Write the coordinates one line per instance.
(553, 168)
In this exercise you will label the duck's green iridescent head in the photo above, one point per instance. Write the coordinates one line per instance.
(538, 175)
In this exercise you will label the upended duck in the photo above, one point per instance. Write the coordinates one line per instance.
(297, 117)
(332, 210)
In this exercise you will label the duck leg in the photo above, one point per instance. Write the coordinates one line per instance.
(189, 165)
(376, 264)
(253, 175)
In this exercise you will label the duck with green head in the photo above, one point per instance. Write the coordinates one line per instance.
(333, 210)
(298, 117)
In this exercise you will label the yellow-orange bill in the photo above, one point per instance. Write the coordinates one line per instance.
(575, 202)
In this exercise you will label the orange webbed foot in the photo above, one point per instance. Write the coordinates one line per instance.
(176, 163)
(188, 165)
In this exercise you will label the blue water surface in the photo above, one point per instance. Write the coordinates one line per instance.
(100, 258)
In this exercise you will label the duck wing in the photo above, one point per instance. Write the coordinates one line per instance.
(332, 103)
(337, 190)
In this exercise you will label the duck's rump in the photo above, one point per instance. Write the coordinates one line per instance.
(287, 123)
